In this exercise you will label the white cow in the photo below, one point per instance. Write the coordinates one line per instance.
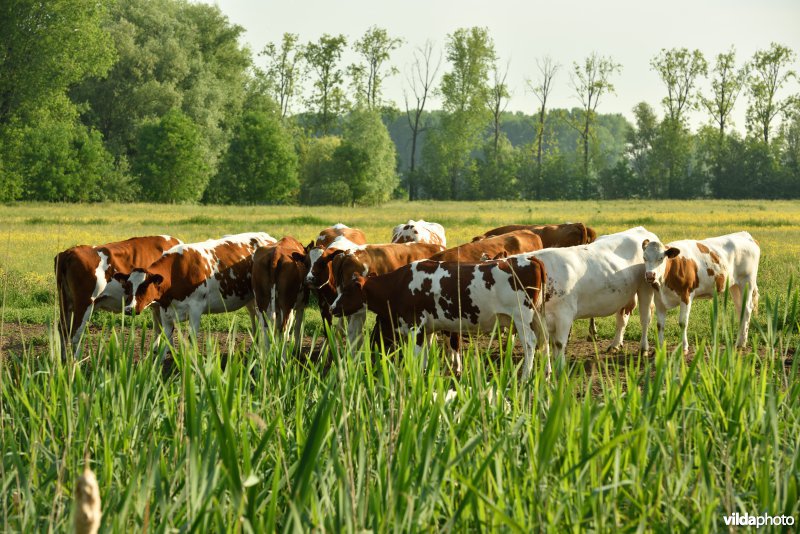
(682, 271)
(419, 232)
(596, 280)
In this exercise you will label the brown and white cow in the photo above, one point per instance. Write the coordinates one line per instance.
(85, 280)
(338, 236)
(372, 259)
(279, 271)
(426, 296)
(419, 232)
(504, 245)
(553, 235)
(213, 276)
(682, 271)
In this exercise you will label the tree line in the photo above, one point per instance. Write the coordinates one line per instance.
(158, 100)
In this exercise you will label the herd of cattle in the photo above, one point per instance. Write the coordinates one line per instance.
(538, 278)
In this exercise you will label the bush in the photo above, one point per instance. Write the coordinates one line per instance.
(260, 166)
(170, 160)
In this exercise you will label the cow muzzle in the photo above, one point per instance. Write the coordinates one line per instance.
(128, 310)
(650, 276)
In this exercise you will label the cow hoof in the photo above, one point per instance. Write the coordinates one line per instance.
(613, 349)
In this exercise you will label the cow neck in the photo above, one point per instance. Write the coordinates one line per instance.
(680, 275)
(377, 294)
(164, 268)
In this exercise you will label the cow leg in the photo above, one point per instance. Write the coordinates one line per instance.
(64, 324)
(592, 330)
(355, 328)
(80, 317)
(661, 320)
(299, 311)
(683, 322)
(645, 296)
(167, 328)
(194, 323)
(253, 312)
(622, 323)
(454, 348)
(750, 294)
(559, 329)
(540, 330)
(528, 339)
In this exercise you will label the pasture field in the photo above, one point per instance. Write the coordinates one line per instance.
(345, 440)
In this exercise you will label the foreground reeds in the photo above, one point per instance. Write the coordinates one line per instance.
(354, 441)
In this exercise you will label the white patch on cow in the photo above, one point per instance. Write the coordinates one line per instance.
(100, 275)
(419, 232)
(340, 226)
(314, 254)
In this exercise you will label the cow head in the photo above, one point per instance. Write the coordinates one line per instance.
(319, 273)
(656, 256)
(141, 289)
(351, 298)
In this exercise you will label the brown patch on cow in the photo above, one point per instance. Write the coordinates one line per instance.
(702, 248)
(710, 272)
(517, 242)
(552, 235)
(459, 304)
(719, 280)
(428, 267)
(680, 276)
(714, 257)
(327, 236)
(280, 268)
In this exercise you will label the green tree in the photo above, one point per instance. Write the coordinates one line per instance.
(542, 89)
(365, 161)
(328, 99)
(45, 48)
(465, 91)
(590, 81)
(769, 74)
(640, 141)
(172, 54)
(260, 166)
(679, 69)
(375, 48)
(169, 160)
(317, 185)
(420, 81)
(285, 71)
(726, 84)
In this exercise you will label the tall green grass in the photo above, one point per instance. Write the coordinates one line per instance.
(370, 441)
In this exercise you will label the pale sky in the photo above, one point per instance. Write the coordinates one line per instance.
(631, 31)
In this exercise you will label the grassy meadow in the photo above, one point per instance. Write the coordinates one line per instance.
(361, 441)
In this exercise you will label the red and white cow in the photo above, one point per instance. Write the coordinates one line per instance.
(372, 259)
(338, 237)
(419, 232)
(427, 296)
(279, 271)
(596, 280)
(553, 235)
(85, 280)
(682, 271)
(213, 276)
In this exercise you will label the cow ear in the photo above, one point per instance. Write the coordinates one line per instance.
(156, 279)
(645, 243)
(309, 247)
(121, 277)
(297, 256)
(671, 252)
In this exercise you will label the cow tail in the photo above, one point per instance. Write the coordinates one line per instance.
(61, 267)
